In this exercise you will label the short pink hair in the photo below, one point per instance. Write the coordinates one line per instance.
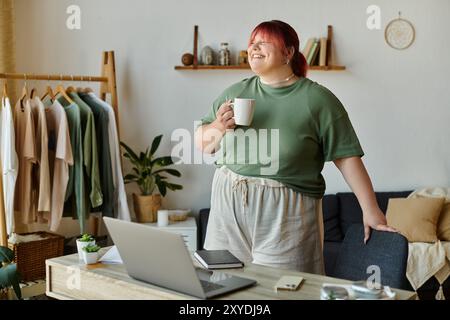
(284, 37)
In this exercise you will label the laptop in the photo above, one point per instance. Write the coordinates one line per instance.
(161, 258)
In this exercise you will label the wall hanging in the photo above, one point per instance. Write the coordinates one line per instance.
(399, 33)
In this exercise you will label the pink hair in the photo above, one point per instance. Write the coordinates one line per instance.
(284, 37)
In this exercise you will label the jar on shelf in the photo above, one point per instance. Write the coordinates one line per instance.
(243, 58)
(207, 56)
(224, 54)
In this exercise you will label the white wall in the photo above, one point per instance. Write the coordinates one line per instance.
(398, 101)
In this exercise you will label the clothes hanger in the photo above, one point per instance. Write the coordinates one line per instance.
(4, 93)
(5, 90)
(80, 89)
(71, 88)
(60, 90)
(24, 93)
(48, 90)
(88, 89)
(32, 92)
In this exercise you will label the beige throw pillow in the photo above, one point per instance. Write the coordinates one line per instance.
(415, 218)
(443, 227)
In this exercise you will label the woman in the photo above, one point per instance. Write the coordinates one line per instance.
(276, 219)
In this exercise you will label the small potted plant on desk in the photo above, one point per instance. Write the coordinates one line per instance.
(148, 174)
(90, 254)
(85, 240)
(8, 274)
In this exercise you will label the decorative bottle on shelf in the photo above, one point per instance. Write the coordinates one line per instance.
(224, 54)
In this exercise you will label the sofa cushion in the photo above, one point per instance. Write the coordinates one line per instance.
(383, 198)
(443, 230)
(416, 218)
(350, 210)
(386, 250)
(332, 227)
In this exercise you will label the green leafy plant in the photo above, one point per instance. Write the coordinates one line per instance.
(86, 238)
(148, 170)
(91, 248)
(8, 272)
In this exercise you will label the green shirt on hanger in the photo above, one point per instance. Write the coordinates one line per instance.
(306, 121)
(75, 186)
(90, 153)
(104, 155)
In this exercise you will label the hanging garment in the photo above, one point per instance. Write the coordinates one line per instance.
(90, 153)
(104, 154)
(75, 194)
(3, 221)
(60, 158)
(9, 162)
(41, 171)
(26, 152)
(121, 209)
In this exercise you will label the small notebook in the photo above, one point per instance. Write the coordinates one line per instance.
(217, 259)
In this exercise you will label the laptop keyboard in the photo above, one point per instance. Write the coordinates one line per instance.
(210, 286)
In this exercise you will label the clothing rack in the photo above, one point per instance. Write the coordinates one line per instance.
(107, 81)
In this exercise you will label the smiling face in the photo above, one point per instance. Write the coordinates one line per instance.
(265, 56)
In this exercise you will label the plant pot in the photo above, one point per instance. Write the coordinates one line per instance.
(81, 245)
(90, 257)
(146, 207)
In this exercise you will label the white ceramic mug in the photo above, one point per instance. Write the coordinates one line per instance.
(163, 218)
(243, 111)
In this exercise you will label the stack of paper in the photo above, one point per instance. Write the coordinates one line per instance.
(112, 256)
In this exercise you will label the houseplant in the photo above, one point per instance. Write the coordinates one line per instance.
(148, 173)
(85, 240)
(8, 273)
(90, 254)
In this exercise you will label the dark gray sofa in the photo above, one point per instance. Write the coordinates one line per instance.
(340, 211)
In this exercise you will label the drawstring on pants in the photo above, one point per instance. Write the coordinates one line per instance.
(242, 182)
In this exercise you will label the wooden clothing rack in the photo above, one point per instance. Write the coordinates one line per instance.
(108, 84)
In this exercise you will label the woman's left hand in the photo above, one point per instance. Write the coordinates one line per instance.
(376, 220)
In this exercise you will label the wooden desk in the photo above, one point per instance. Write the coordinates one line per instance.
(67, 278)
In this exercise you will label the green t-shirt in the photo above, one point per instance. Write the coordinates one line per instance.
(295, 129)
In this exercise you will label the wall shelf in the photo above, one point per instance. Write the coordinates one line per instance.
(212, 67)
(197, 66)
(327, 68)
(246, 67)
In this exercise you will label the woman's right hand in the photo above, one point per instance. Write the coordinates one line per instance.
(224, 117)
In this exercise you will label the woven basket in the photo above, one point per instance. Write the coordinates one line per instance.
(30, 256)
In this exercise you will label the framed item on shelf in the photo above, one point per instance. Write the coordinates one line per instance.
(399, 33)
